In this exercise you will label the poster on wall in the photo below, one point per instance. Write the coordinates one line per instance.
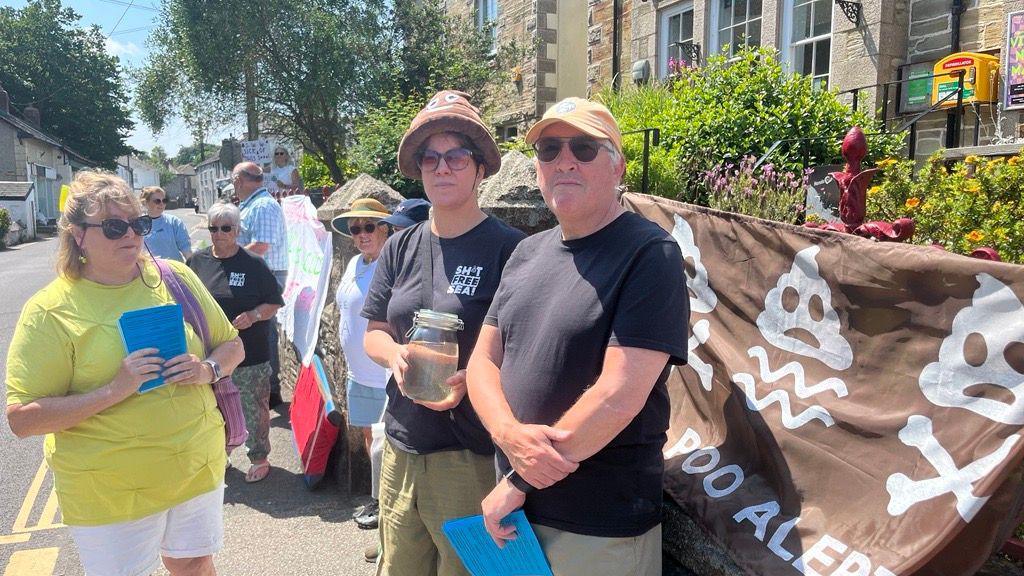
(1014, 73)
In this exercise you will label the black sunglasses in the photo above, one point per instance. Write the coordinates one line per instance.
(584, 148)
(456, 159)
(224, 228)
(357, 229)
(157, 200)
(280, 153)
(115, 228)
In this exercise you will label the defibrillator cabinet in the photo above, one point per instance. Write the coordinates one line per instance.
(981, 78)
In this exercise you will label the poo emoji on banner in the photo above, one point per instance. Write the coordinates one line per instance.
(850, 407)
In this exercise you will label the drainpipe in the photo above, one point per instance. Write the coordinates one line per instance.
(616, 40)
(955, 118)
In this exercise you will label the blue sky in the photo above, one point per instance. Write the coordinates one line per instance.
(127, 28)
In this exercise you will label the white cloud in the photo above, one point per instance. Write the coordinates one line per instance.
(115, 48)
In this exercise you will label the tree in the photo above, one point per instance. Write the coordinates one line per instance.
(48, 59)
(308, 68)
(195, 153)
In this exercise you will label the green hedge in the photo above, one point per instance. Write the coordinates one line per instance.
(729, 109)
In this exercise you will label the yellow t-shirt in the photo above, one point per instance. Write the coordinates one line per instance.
(152, 451)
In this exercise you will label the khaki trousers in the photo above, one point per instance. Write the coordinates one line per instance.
(418, 493)
(572, 554)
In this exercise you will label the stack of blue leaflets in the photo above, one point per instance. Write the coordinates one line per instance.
(160, 327)
(482, 557)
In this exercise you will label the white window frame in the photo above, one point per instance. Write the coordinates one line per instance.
(789, 53)
(715, 44)
(481, 19)
(663, 18)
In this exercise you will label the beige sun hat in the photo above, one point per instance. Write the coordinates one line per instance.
(360, 208)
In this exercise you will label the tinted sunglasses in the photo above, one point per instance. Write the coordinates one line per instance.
(224, 228)
(157, 200)
(456, 159)
(280, 153)
(115, 228)
(584, 148)
(357, 229)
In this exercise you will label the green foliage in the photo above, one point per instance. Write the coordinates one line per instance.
(974, 203)
(726, 110)
(760, 192)
(314, 172)
(49, 59)
(5, 225)
(377, 135)
(194, 153)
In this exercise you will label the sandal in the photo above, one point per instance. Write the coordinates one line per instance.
(257, 472)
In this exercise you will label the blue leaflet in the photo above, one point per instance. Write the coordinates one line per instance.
(160, 327)
(482, 557)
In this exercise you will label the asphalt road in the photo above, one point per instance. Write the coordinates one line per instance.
(273, 527)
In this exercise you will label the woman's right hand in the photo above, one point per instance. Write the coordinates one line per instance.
(136, 368)
(399, 363)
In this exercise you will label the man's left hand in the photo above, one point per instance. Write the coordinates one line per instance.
(458, 386)
(502, 501)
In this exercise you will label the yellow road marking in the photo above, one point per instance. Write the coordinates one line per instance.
(38, 562)
(14, 539)
(48, 519)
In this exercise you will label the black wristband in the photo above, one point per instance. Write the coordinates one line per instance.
(516, 480)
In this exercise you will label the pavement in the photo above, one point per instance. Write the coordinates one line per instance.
(274, 527)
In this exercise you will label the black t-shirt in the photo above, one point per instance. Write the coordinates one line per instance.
(467, 270)
(559, 306)
(239, 284)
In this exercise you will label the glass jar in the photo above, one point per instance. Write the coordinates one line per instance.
(433, 355)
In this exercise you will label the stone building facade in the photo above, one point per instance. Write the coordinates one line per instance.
(573, 44)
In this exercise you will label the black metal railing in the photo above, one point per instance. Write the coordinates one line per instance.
(652, 137)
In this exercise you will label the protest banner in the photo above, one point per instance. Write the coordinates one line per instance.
(849, 406)
(309, 273)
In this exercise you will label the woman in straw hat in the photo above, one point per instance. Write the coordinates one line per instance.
(438, 461)
(138, 476)
(366, 380)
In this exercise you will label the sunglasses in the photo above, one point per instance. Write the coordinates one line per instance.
(157, 200)
(456, 159)
(583, 148)
(368, 228)
(280, 153)
(225, 228)
(115, 228)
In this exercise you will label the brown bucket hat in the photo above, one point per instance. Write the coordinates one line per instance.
(447, 111)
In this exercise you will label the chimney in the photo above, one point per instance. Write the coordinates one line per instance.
(31, 115)
(5, 101)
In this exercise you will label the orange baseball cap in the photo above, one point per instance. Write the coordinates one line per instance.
(589, 117)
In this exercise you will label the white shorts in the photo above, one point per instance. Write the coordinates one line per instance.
(192, 529)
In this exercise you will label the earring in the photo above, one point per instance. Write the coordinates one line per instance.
(82, 258)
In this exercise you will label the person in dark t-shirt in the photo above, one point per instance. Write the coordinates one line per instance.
(569, 371)
(249, 294)
(438, 461)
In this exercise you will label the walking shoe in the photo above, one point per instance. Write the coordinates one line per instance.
(368, 520)
(372, 553)
(361, 511)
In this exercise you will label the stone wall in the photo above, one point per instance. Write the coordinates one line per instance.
(8, 142)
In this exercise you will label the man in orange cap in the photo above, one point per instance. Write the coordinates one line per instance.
(569, 371)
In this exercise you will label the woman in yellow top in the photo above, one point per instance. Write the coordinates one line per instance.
(138, 476)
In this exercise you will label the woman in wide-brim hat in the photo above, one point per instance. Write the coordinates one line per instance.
(365, 379)
(438, 460)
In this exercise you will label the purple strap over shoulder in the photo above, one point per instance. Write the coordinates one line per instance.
(229, 401)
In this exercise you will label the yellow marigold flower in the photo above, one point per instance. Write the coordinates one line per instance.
(1013, 161)
(996, 161)
(912, 202)
(973, 187)
(874, 190)
(972, 159)
(975, 236)
(886, 163)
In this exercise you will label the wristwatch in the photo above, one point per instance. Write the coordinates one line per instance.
(256, 312)
(520, 484)
(214, 369)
